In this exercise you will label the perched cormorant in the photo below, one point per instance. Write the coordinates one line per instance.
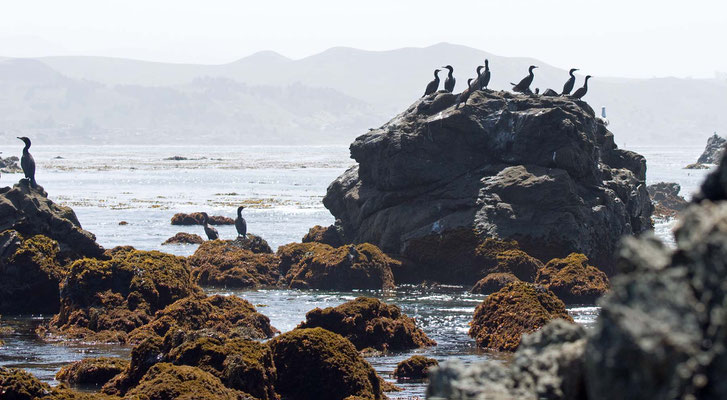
(537, 90)
(484, 79)
(240, 223)
(476, 83)
(569, 84)
(582, 90)
(524, 85)
(462, 98)
(433, 85)
(450, 81)
(27, 162)
(208, 230)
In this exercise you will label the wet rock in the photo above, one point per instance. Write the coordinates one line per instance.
(17, 384)
(543, 171)
(502, 318)
(123, 223)
(29, 212)
(667, 202)
(9, 165)
(104, 300)
(196, 219)
(493, 282)
(165, 381)
(231, 264)
(319, 266)
(370, 323)
(330, 235)
(253, 243)
(573, 280)
(184, 238)
(696, 166)
(30, 272)
(321, 365)
(414, 367)
(92, 371)
(713, 152)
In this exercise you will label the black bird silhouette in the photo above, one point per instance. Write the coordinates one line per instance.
(433, 85)
(240, 223)
(582, 90)
(462, 98)
(27, 162)
(484, 79)
(450, 81)
(524, 85)
(208, 230)
(569, 83)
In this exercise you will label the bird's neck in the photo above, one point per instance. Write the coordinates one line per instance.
(26, 148)
(239, 212)
(449, 74)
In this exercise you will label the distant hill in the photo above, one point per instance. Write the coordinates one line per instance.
(344, 91)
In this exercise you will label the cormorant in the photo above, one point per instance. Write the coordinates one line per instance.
(569, 84)
(582, 90)
(462, 98)
(524, 85)
(208, 230)
(433, 85)
(484, 79)
(537, 90)
(476, 82)
(450, 81)
(27, 162)
(240, 223)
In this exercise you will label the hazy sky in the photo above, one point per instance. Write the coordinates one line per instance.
(634, 38)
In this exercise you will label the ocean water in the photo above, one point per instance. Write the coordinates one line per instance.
(282, 188)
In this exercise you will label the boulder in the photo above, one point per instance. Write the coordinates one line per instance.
(230, 264)
(317, 364)
(414, 367)
(370, 323)
(9, 165)
(502, 318)
(319, 266)
(543, 171)
(196, 219)
(667, 202)
(330, 235)
(184, 238)
(165, 381)
(493, 282)
(92, 371)
(17, 384)
(30, 272)
(28, 211)
(253, 243)
(713, 151)
(573, 280)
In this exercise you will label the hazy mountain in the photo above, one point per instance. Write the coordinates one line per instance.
(366, 88)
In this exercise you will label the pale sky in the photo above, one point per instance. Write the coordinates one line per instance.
(631, 38)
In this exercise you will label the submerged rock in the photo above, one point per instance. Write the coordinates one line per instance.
(319, 266)
(502, 318)
(184, 238)
(666, 198)
(93, 371)
(540, 170)
(231, 264)
(414, 367)
(370, 323)
(330, 235)
(165, 381)
(196, 219)
(573, 280)
(317, 364)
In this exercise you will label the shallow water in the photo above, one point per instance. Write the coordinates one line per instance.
(282, 188)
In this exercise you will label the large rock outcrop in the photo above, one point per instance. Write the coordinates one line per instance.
(541, 170)
(667, 201)
(714, 150)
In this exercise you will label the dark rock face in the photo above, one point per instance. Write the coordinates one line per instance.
(330, 235)
(713, 152)
(541, 170)
(196, 219)
(30, 212)
(666, 198)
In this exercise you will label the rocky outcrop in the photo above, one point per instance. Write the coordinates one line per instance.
(713, 151)
(230, 264)
(165, 381)
(370, 323)
(540, 170)
(667, 201)
(184, 238)
(493, 282)
(9, 165)
(92, 371)
(414, 367)
(330, 235)
(17, 384)
(317, 364)
(196, 219)
(573, 279)
(504, 316)
(29, 211)
(319, 266)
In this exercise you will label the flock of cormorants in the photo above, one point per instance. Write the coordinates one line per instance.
(483, 79)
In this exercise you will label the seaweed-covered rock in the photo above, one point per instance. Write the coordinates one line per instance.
(493, 282)
(197, 219)
(330, 235)
(370, 323)
(253, 243)
(319, 266)
(573, 280)
(228, 264)
(104, 300)
(414, 367)
(502, 318)
(165, 381)
(17, 384)
(30, 272)
(184, 238)
(29, 211)
(317, 364)
(94, 371)
(667, 201)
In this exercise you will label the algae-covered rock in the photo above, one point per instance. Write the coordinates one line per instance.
(95, 371)
(165, 381)
(493, 282)
(573, 280)
(667, 201)
(17, 384)
(253, 243)
(317, 364)
(184, 238)
(501, 319)
(104, 300)
(228, 264)
(330, 235)
(370, 323)
(414, 367)
(30, 272)
(319, 266)
(196, 218)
